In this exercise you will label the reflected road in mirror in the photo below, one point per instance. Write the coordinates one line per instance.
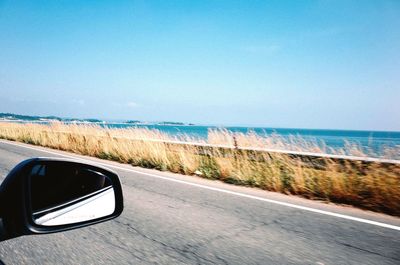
(97, 205)
(64, 194)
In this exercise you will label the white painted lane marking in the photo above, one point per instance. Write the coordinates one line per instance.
(295, 206)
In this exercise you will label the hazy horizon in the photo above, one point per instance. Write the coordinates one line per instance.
(186, 123)
(278, 64)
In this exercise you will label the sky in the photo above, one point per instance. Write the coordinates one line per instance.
(295, 64)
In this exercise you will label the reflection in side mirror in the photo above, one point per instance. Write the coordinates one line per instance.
(66, 194)
(94, 206)
(48, 195)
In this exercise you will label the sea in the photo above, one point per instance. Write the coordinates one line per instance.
(370, 141)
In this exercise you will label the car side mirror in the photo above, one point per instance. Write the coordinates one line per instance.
(46, 195)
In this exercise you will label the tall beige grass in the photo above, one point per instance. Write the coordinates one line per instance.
(374, 186)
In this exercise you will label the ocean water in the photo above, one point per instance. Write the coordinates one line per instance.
(374, 141)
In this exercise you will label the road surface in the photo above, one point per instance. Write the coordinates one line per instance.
(175, 219)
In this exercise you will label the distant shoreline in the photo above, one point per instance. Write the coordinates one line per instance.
(11, 117)
(101, 122)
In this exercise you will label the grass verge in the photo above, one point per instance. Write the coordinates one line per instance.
(373, 186)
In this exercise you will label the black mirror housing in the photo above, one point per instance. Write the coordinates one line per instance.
(16, 197)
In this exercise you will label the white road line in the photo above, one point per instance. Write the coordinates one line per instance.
(295, 206)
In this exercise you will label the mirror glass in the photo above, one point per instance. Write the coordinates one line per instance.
(65, 193)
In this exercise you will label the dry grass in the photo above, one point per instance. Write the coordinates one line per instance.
(374, 186)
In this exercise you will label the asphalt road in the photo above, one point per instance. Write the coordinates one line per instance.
(174, 219)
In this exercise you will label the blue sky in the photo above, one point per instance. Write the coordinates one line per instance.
(297, 64)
